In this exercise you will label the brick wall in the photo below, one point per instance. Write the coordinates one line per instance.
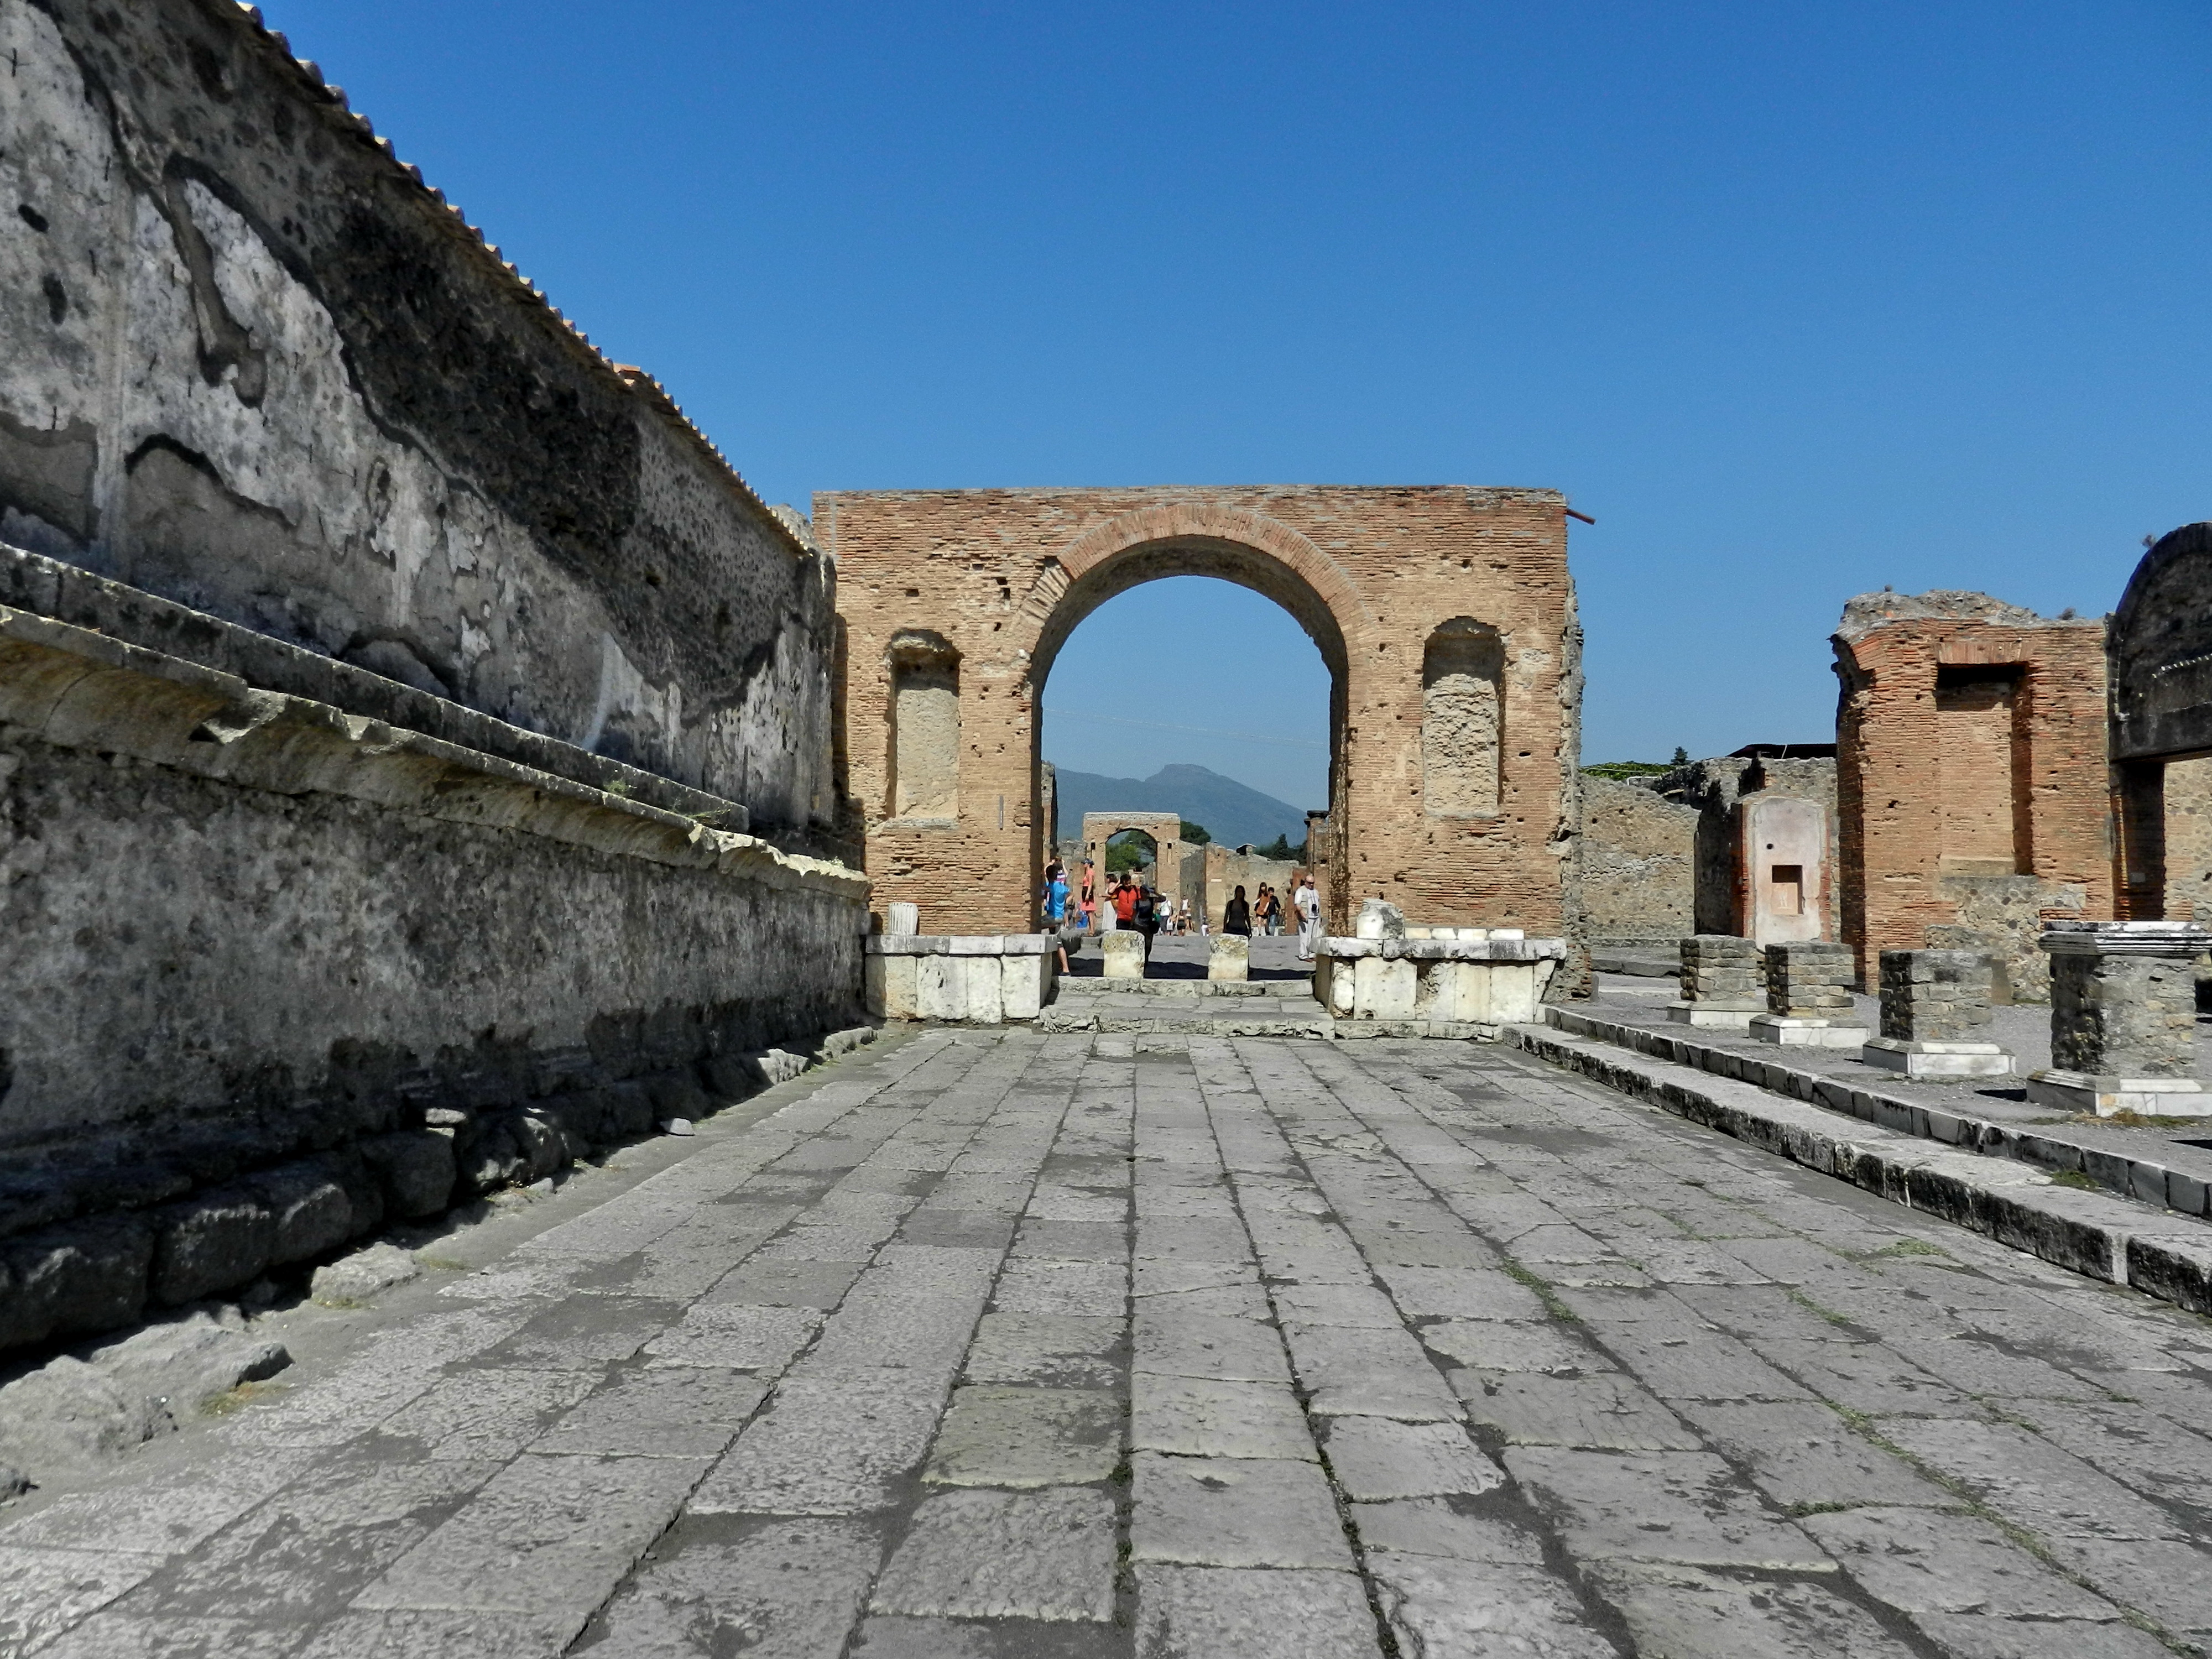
(1372, 573)
(1971, 756)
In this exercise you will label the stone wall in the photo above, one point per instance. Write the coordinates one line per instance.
(1640, 853)
(1974, 789)
(269, 958)
(253, 365)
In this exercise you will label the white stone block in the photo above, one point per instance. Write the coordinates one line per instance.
(1513, 991)
(1023, 991)
(1123, 954)
(1228, 956)
(1716, 1017)
(1937, 1058)
(1384, 989)
(900, 990)
(2107, 1096)
(1334, 984)
(1799, 1033)
(976, 944)
(941, 986)
(987, 991)
(901, 919)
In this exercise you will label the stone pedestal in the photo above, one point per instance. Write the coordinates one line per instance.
(1123, 951)
(1228, 956)
(1724, 982)
(1438, 986)
(1809, 998)
(983, 979)
(2123, 1019)
(1936, 1016)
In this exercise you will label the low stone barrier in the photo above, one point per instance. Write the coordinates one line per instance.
(976, 978)
(1468, 977)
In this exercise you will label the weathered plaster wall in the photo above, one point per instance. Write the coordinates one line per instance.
(1639, 864)
(253, 365)
(1914, 853)
(257, 945)
(1713, 788)
(1373, 574)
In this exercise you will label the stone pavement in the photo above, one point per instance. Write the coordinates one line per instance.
(998, 1343)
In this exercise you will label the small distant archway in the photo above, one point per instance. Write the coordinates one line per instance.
(1163, 829)
(1430, 606)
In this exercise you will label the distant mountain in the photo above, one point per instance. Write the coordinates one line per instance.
(1232, 814)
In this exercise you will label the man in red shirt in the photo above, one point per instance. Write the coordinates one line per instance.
(1125, 901)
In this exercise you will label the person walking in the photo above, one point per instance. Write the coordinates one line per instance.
(1056, 908)
(1236, 915)
(1267, 910)
(1145, 912)
(1307, 903)
(1088, 920)
(1125, 901)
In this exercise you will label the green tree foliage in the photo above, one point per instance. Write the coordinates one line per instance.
(1195, 834)
(1681, 755)
(1130, 850)
(1280, 847)
(1625, 770)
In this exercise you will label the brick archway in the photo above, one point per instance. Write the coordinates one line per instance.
(1162, 829)
(1004, 576)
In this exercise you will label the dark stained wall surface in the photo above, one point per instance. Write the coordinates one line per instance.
(254, 366)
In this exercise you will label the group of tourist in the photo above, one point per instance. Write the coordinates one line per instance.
(1146, 910)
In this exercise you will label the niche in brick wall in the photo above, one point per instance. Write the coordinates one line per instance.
(1979, 737)
(1462, 719)
(925, 770)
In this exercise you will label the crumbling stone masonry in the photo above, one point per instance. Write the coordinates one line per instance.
(1445, 615)
(401, 707)
(1809, 981)
(1972, 779)
(1639, 864)
(2123, 1018)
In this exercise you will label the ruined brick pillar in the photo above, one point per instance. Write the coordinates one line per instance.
(1935, 1016)
(1724, 982)
(1809, 998)
(2123, 1019)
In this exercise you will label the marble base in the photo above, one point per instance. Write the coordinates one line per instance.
(1807, 1033)
(1938, 1058)
(2153, 1097)
(1710, 1016)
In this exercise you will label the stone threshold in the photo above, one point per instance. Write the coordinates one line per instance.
(1099, 985)
(1973, 1173)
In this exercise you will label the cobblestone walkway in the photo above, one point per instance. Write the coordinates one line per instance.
(1011, 1344)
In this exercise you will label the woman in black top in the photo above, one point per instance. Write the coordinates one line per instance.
(1236, 915)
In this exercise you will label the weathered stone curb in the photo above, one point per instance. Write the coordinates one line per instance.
(2108, 1238)
(2131, 1177)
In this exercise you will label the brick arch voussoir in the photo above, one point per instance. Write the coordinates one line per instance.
(1180, 521)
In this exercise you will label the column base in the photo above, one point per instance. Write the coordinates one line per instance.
(1938, 1058)
(2107, 1096)
(1709, 1016)
(1794, 1032)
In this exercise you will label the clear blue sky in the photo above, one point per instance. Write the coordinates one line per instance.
(1798, 300)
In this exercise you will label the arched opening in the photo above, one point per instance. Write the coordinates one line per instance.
(1202, 696)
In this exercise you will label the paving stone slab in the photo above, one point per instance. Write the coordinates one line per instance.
(1680, 1613)
(114, 1635)
(1171, 1342)
(1202, 1417)
(1217, 1612)
(1100, 1289)
(1443, 1527)
(1222, 1512)
(477, 1414)
(1373, 1458)
(833, 1441)
(1605, 1412)
(1921, 1562)
(1970, 1637)
(1045, 1555)
(1437, 1608)
(547, 1536)
(1461, 1294)
(784, 1586)
(442, 1633)
(1053, 1350)
(1348, 1372)
(996, 1435)
(1797, 1458)
(45, 1591)
(1483, 1344)
(678, 1412)
(1683, 1507)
